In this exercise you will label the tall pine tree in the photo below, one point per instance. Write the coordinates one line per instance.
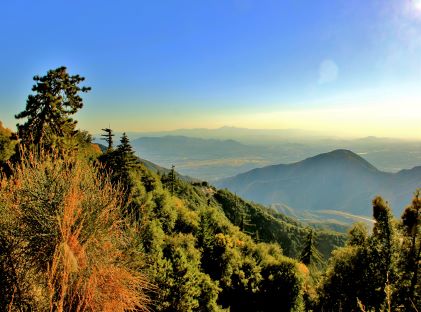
(48, 111)
(310, 255)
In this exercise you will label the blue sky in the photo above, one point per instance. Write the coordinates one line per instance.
(155, 65)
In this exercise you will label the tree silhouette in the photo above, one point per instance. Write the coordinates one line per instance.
(108, 137)
(48, 111)
(125, 159)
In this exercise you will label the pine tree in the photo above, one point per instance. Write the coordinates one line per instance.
(126, 159)
(246, 225)
(48, 112)
(172, 179)
(108, 137)
(310, 255)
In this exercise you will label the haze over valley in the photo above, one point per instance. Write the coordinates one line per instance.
(212, 154)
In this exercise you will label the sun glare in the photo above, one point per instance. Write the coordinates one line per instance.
(417, 4)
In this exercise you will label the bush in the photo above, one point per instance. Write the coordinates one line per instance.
(63, 231)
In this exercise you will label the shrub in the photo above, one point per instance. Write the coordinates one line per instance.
(62, 225)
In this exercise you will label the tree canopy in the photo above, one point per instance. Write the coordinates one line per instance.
(48, 111)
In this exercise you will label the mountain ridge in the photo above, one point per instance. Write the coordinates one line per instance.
(337, 180)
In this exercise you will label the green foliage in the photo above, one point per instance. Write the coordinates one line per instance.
(7, 145)
(382, 252)
(345, 280)
(48, 112)
(189, 241)
(409, 265)
(243, 268)
(269, 226)
(182, 286)
(358, 235)
(63, 241)
(170, 181)
(122, 161)
(279, 284)
(310, 255)
(378, 271)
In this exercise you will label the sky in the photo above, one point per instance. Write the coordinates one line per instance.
(348, 67)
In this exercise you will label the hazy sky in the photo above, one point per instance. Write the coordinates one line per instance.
(347, 67)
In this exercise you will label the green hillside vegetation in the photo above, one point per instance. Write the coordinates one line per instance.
(85, 230)
(7, 145)
(267, 225)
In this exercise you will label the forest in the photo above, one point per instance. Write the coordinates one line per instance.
(85, 227)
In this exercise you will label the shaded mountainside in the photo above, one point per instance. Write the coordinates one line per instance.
(338, 180)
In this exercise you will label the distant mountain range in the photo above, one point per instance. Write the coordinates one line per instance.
(239, 134)
(339, 180)
(212, 159)
(212, 154)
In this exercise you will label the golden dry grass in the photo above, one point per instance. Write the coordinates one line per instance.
(67, 214)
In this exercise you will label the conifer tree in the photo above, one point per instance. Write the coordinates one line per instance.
(382, 253)
(383, 235)
(364, 272)
(108, 137)
(123, 161)
(246, 225)
(48, 111)
(172, 179)
(409, 291)
(310, 254)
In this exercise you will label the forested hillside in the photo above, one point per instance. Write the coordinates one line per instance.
(88, 230)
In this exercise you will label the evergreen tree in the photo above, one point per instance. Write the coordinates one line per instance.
(122, 162)
(126, 159)
(409, 292)
(382, 253)
(172, 179)
(108, 137)
(48, 112)
(365, 271)
(310, 255)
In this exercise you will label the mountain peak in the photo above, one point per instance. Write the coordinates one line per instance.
(340, 156)
(339, 153)
(337, 180)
